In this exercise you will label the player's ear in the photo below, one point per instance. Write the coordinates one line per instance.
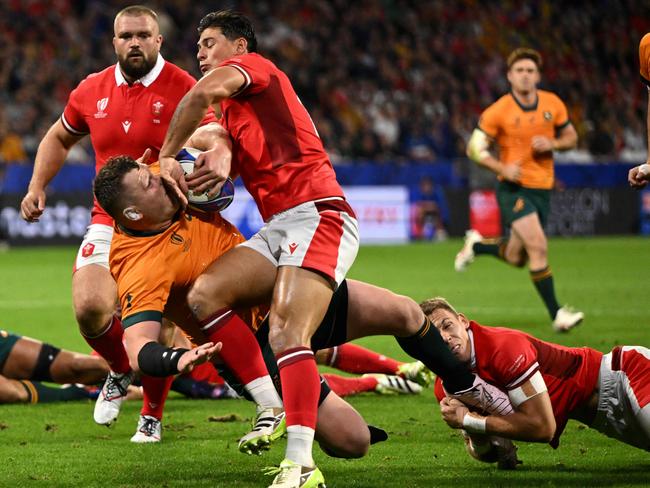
(242, 45)
(464, 320)
(132, 213)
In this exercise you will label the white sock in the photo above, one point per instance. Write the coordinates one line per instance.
(264, 393)
(299, 445)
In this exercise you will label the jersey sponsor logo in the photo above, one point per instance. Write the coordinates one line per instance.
(292, 247)
(88, 250)
(102, 103)
(126, 125)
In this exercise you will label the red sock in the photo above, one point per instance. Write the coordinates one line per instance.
(240, 351)
(154, 394)
(356, 359)
(300, 386)
(109, 346)
(344, 386)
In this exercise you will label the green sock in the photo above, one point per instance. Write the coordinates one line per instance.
(37, 392)
(543, 281)
(494, 247)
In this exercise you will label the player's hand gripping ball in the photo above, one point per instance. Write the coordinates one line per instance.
(186, 157)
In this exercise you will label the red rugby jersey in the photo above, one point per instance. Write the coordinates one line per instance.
(507, 358)
(123, 119)
(276, 148)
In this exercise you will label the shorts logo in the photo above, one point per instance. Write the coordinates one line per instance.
(88, 250)
(101, 106)
(292, 247)
(519, 205)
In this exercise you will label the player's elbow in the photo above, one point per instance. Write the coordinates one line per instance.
(544, 430)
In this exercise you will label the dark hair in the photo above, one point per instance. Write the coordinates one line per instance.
(137, 11)
(233, 25)
(525, 53)
(108, 187)
(432, 304)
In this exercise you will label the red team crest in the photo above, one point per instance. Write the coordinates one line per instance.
(88, 250)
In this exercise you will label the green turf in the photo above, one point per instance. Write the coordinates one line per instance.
(58, 445)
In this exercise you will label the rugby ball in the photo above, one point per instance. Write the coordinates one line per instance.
(201, 201)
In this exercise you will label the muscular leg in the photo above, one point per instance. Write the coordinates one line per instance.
(529, 230)
(300, 300)
(240, 278)
(73, 367)
(377, 311)
(22, 359)
(94, 298)
(340, 430)
(12, 391)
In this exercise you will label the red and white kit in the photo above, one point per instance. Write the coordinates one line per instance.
(282, 162)
(507, 358)
(122, 119)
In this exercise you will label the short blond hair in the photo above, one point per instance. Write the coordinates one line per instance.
(437, 303)
(137, 11)
(525, 53)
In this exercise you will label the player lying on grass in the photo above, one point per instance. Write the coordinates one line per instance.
(547, 383)
(154, 268)
(25, 363)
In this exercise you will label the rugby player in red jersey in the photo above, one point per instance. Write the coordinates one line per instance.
(310, 239)
(547, 383)
(126, 109)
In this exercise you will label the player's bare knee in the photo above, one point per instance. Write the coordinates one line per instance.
(349, 444)
(12, 392)
(93, 316)
(409, 318)
(202, 298)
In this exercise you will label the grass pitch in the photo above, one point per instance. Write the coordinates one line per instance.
(59, 445)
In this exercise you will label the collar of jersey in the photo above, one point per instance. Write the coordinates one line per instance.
(147, 79)
(149, 233)
(526, 108)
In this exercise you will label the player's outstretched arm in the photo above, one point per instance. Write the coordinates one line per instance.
(532, 421)
(214, 87)
(50, 157)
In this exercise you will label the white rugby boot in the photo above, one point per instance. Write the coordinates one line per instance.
(149, 430)
(466, 255)
(566, 319)
(109, 401)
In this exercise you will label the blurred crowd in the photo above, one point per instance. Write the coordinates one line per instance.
(383, 79)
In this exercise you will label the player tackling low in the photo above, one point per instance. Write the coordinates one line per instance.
(547, 383)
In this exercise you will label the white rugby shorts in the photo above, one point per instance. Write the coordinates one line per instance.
(321, 235)
(95, 247)
(624, 396)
